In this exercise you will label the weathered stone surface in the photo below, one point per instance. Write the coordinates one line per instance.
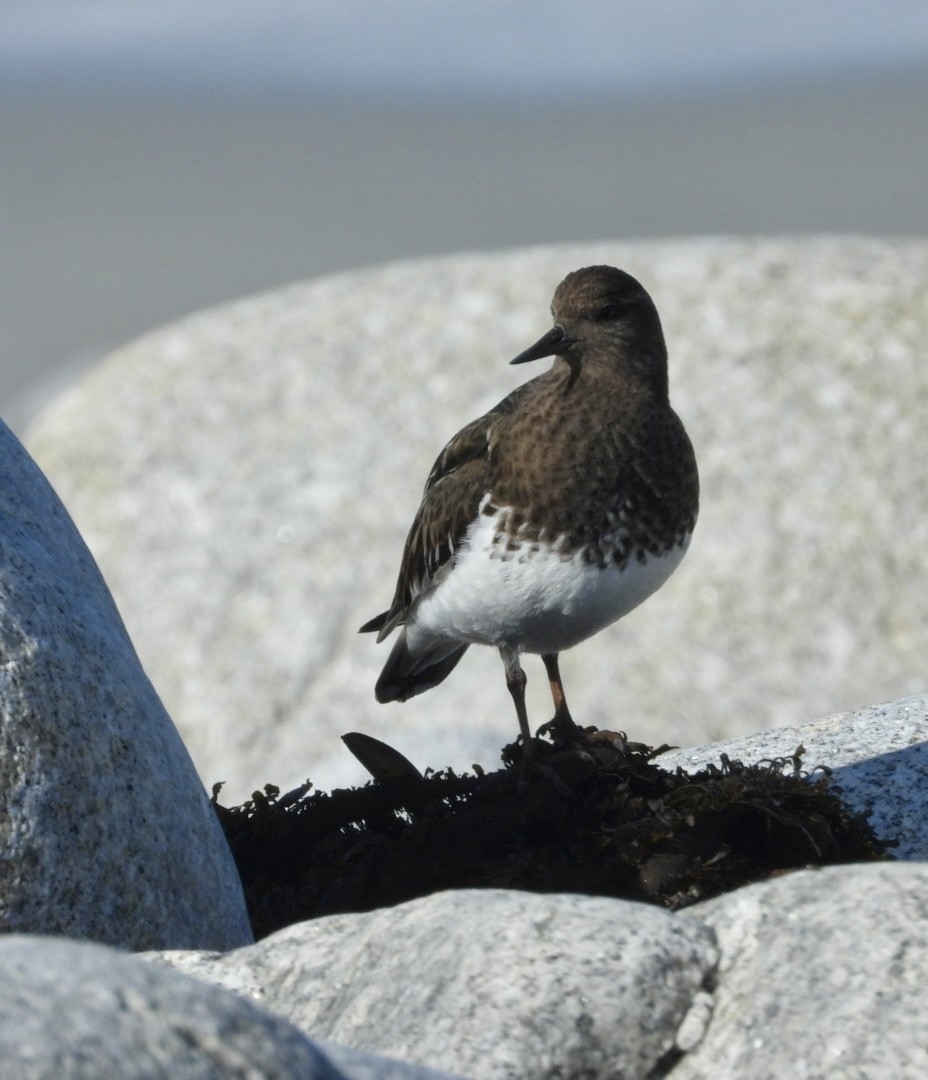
(822, 975)
(356, 1065)
(81, 1012)
(878, 756)
(488, 984)
(817, 974)
(105, 829)
(246, 478)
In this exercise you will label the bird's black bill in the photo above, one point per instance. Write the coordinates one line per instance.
(552, 344)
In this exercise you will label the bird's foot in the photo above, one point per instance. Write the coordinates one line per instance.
(564, 731)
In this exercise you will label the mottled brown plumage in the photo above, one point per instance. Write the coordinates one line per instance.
(587, 461)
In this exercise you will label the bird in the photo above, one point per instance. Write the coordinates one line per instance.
(555, 513)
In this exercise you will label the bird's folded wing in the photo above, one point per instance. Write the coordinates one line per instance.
(459, 479)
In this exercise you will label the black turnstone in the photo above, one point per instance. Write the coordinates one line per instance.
(558, 511)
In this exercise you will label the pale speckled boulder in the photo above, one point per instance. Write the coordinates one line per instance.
(83, 1012)
(491, 984)
(822, 975)
(105, 829)
(246, 478)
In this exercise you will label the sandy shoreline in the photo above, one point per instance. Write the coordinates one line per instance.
(117, 217)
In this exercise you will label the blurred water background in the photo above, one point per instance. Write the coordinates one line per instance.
(156, 157)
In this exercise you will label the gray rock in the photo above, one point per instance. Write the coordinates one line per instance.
(105, 829)
(269, 456)
(878, 757)
(489, 984)
(357, 1065)
(822, 975)
(76, 1011)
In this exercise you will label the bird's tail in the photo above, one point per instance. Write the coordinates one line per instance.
(407, 673)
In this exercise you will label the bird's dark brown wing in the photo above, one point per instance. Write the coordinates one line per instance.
(459, 479)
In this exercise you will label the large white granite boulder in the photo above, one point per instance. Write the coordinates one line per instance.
(246, 478)
(106, 831)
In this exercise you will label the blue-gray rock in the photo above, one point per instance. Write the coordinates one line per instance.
(878, 757)
(106, 831)
(246, 478)
(76, 1011)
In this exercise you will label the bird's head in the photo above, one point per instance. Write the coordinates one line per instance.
(604, 315)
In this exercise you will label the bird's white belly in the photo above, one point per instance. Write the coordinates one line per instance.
(541, 602)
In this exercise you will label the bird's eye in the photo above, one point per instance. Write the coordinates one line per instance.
(608, 313)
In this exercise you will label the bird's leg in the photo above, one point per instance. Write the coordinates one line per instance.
(562, 723)
(515, 682)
